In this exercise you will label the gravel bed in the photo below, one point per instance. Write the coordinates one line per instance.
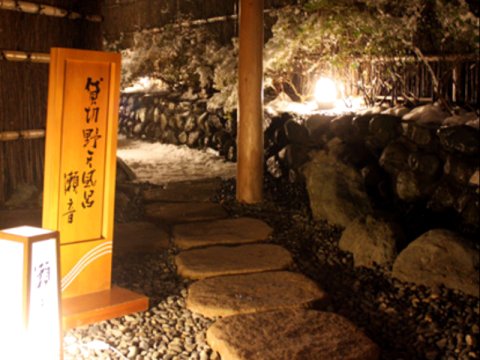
(167, 331)
(407, 321)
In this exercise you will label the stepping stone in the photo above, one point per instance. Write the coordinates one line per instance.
(184, 212)
(241, 294)
(221, 232)
(226, 260)
(184, 191)
(139, 236)
(290, 334)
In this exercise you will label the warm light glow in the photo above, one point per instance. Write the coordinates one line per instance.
(29, 305)
(325, 91)
(26, 231)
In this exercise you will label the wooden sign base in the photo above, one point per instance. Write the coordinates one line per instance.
(99, 306)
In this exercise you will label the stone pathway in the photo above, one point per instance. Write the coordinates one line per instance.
(231, 260)
(261, 310)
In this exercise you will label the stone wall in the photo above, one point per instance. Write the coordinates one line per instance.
(421, 165)
(177, 120)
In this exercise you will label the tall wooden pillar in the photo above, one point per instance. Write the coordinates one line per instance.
(250, 103)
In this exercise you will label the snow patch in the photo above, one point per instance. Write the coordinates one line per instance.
(164, 163)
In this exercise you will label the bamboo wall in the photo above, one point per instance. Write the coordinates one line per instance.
(24, 85)
(125, 17)
(454, 79)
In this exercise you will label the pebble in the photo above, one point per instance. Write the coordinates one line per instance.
(166, 331)
(408, 322)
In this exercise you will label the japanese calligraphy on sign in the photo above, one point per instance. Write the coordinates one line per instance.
(84, 145)
(84, 178)
(80, 164)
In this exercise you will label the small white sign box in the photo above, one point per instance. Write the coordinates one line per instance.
(30, 326)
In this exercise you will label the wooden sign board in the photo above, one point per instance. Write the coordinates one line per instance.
(80, 165)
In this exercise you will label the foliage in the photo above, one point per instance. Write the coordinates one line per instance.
(343, 32)
(310, 38)
(182, 57)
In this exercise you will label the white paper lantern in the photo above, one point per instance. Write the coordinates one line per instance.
(30, 321)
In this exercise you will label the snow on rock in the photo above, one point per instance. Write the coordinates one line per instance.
(398, 110)
(430, 114)
(461, 119)
(164, 163)
(147, 85)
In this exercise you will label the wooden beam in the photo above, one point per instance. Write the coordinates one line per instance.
(250, 103)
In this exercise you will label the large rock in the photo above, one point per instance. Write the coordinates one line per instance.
(221, 232)
(371, 241)
(463, 139)
(394, 158)
(288, 335)
(383, 129)
(425, 164)
(409, 187)
(243, 294)
(296, 133)
(294, 155)
(227, 260)
(440, 257)
(422, 135)
(342, 127)
(336, 190)
(184, 212)
(459, 169)
(430, 114)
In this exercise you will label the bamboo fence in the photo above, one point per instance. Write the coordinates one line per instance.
(43, 9)
(28, 32)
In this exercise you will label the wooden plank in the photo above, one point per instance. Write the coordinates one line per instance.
(250, 99)
(95, 307)
(80, 164)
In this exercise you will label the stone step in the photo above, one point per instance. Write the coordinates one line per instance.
(184, 191)
(139, 236)
(220, 232)
(173, 213)
(241, 294)
(228, 260)
(290, 334)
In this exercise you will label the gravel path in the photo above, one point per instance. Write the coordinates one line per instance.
(166, 331)
(408, 322)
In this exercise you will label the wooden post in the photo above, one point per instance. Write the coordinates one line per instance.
(250, 103)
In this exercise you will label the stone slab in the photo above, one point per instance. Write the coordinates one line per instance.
(227, 260)
(184, 212)
(184, 191)
(221, 232)
(290, 334)
(139, 236)
(242, 294)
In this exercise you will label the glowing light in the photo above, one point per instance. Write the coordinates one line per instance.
(325, 91)
(30, 301)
